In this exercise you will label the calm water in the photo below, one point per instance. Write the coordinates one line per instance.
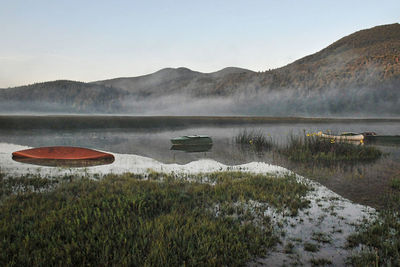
(146, 140)
(149, 139)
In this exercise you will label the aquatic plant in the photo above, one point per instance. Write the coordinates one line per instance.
(311, 247)
(254, 139)
(309, 148)
(379, 237)
(382, 240)
(395, 183)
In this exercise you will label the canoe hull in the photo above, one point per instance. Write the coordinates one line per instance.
(70, 163)
(61, 153)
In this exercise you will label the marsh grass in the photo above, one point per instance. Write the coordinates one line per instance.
(395, 183)
(311, 247)
(380, 237)
(315, 149)
(254, 139)
(145, 220)
(24, 184)
(321, 237)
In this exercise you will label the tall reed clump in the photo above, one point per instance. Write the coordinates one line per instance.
(254, 139)
(314, 148)
(162, 221)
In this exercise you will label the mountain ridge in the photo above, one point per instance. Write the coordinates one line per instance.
(362, 65)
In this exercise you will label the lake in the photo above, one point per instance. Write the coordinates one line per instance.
(150, 137)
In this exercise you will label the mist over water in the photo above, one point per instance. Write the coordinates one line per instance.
(335, 103)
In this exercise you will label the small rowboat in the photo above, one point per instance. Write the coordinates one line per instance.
(188, 140)
(347, 136)
(62, 153)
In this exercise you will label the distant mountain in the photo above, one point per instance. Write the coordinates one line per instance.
(359, 75)
(179, 81)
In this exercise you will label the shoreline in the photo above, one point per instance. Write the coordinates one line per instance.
(126, 121)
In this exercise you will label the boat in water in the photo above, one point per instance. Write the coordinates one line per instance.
(189, 140)
(345, 136)
(63, 156)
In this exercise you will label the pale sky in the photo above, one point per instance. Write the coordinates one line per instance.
(42, 40)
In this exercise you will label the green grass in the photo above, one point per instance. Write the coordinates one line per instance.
(23, 184)
(311, 247)
(315, 149)
(395, 183)
(289, 248)
(321, 237)
(381, 237)
(254, 139)
(129, 220)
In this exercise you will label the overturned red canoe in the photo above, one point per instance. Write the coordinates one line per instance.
(62, 153)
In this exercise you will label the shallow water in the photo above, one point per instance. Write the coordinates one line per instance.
(328, 213)
(150, 137)
(145, 139)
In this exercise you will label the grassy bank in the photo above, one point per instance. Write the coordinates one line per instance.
(380, 238)
(136, 220)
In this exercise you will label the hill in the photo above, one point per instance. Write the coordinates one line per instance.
(62, 97)
(366, 58)
(357, 75)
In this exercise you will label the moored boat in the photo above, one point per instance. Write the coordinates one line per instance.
(191, 140)
(346, 136)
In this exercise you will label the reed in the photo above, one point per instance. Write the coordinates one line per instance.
(254, 139)
(395, 183)
(311, 148)
(380, 236)
(381, 239)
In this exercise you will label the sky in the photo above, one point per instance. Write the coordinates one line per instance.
(89, 40)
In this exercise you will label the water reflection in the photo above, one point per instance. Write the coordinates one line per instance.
(390, 140)
(363, 183)
(65, 163)
(192, 148)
